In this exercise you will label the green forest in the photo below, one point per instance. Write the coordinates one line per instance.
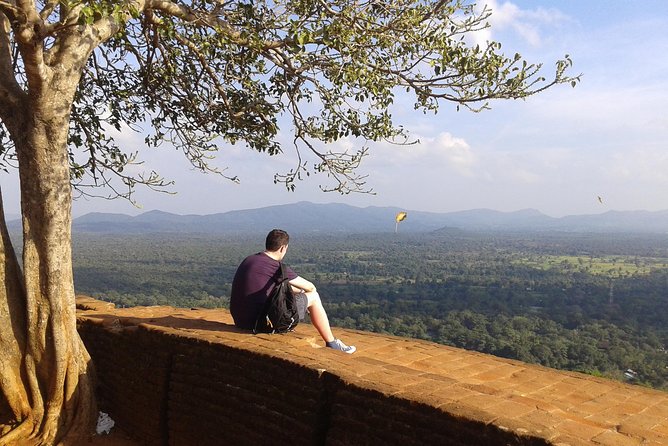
(585, 302)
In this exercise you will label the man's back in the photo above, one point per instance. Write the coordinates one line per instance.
(253, 282)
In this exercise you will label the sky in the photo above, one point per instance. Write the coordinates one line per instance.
(556, 152)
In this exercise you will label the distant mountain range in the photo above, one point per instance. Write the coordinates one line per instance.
(342, 218)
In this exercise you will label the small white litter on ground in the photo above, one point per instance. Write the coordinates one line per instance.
(104, 423)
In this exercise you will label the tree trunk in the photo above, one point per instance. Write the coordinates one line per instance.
(47, 378)
(12, 341)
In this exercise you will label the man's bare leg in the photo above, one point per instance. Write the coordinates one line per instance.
(319, 317)
(320, 321)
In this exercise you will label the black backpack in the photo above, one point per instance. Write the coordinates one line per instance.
(279, 314)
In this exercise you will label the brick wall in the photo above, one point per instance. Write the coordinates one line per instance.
(188, 377)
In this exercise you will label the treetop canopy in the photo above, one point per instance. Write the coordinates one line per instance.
(198, 74)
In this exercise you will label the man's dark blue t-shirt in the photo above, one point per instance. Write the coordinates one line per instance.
(253, 283)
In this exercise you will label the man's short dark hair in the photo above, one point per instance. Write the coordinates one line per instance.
(275, 239)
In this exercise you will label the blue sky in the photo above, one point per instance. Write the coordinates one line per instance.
(556, 152)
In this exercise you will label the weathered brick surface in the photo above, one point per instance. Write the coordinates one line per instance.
(188, 377)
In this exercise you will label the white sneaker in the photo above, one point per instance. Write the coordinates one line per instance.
(336, 344)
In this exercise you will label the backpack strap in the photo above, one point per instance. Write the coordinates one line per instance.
(284, 276)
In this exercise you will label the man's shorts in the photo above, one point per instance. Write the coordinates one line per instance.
(302, 303)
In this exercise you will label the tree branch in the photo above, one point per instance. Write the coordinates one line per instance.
(11, 93)
(211, 20)
(26, 31)
(9, 9)
(48, 9)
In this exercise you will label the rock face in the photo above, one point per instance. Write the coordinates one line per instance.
(189, 377)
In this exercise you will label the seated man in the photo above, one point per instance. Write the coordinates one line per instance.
(255, 279)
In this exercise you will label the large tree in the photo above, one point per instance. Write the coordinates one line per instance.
(196, 74)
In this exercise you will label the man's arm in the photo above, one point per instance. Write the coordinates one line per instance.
(302, 284)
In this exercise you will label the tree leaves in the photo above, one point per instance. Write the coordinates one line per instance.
(202, 75)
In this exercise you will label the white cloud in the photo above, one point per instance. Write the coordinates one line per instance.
(527, 24)
(457, 153)
(443, 151)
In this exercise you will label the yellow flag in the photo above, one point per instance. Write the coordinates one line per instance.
(401, 216)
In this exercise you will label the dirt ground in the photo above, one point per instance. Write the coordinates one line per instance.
(114, 438)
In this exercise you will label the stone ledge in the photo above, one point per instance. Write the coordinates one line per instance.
(172, 362)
